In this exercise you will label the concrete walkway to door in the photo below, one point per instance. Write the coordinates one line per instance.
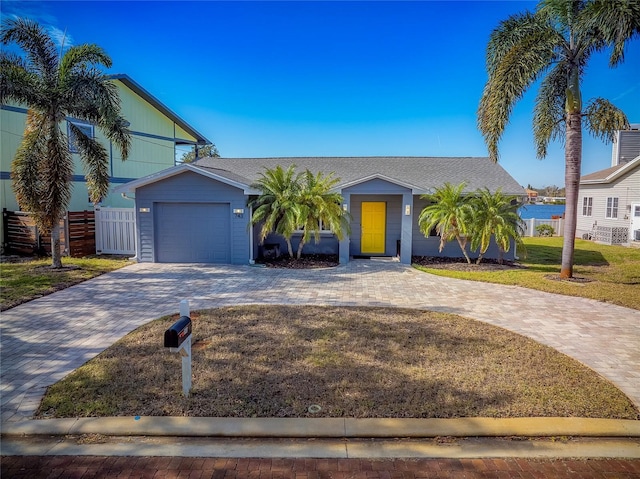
(46, 339)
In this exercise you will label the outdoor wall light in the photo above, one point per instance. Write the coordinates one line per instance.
(345, 207)
(144, 210)
(407, 210)
(239, 212)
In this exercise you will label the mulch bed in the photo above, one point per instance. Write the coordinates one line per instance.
(311, 261)
(307, 261)
(460, 264)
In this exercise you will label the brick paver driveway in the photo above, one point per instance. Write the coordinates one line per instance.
(45, 339)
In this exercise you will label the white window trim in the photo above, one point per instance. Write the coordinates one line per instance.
(322, 232)
(80, 124)
(587, 206)
(611, 208)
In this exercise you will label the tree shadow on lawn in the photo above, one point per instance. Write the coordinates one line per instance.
(552, 255)
(353, 362)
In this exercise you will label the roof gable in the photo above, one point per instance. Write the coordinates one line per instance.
(609, 175)
(157, 104)
(131, 186)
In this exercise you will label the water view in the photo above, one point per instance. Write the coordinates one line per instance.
(542, 212)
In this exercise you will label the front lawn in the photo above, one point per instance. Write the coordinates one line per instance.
(277, 361)
(23, 279)
(603, 272)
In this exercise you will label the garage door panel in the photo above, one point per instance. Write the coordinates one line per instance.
(193, 233)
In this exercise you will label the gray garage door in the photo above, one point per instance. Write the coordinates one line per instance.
(192, 233)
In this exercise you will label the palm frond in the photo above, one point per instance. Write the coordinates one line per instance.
(95, 160)
(602, 118)
(611, 23)
(80, 57)
(549, 112)
(56, 171)
(41, 52)
(529, 49)
(16, 82)
(25, 168)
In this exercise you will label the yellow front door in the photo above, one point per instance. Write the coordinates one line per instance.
(374, 219)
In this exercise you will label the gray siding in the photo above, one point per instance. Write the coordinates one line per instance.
(626, 189)
(376, 190)
(189, 187)
(328, 244)
(429, 246)
(628, 146)
(393, 222)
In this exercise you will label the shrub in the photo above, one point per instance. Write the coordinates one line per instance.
(545, 230)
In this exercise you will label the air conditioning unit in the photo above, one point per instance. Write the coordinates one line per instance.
(636, 235)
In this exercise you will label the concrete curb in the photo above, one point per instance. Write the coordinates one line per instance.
(326, 428)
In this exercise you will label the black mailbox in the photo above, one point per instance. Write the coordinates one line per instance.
(176, 334)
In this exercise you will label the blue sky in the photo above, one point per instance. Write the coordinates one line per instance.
(263, 79)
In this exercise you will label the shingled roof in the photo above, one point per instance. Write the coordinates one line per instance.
(609, 174)
(421, 174)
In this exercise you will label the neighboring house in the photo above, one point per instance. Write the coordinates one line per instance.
(532, 195)
(198, 212)
(155, 131)
(609, 199)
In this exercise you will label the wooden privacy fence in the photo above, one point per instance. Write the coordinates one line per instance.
(21, 235)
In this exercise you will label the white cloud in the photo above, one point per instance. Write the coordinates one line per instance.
(59, 37)
(37, 11)
(627, 92)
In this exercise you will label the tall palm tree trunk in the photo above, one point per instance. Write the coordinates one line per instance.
(56, 253)
(573, 160)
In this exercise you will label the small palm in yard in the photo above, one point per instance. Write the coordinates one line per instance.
(449, 214)
(277, 206)
(54, 86)
(319, 205)
(494, 215)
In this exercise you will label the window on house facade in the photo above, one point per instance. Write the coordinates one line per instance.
(587, 206)
(322, 228)
(612, 207)
(85, 128)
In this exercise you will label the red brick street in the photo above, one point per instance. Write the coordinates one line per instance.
(82, 467)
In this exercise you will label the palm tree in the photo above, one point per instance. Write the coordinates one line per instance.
(278, 205)
(494, 215)
(56, 85)
(554, 45)
(318, 204)
(449, 214)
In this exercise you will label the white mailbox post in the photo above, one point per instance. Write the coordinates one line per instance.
(178, 339)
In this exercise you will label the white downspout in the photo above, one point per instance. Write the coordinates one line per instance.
(251, 259)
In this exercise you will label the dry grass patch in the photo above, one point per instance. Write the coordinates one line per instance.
(276, 361)
(24, 279)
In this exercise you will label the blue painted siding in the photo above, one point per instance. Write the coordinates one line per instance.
(393, 226)
(189, 187)
(428, 246)
(376, 190)
(328, 244)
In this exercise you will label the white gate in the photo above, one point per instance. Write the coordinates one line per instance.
(115, 230)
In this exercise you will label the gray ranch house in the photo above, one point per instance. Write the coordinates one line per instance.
(197, 213)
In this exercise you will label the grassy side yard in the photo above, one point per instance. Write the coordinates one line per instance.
(24, 280)
(607, 273)
(277, 361)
